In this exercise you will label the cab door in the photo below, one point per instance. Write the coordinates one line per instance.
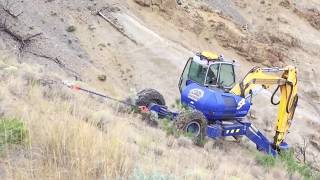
(227, 76)
(221, 75)
(185, 75)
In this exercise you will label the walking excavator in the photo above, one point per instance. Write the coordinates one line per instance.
(217, 106)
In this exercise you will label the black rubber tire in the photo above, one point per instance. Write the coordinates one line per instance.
(188, 116)
(148, 96)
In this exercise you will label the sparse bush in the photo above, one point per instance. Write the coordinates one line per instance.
(71, 29)
(293, 165)
(102, 77)
(177, 102)
(138, 174)
(169, 128)
(288, 159)
(196, 140)
(179, 105)
(12, 131)
(200, 141)
(266, 160)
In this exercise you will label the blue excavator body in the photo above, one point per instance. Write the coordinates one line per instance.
(215, 104)
(204, 85)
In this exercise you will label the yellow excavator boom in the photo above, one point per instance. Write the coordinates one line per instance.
(286, 79)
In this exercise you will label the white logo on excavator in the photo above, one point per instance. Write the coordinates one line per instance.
(241, 103)
(195, 94)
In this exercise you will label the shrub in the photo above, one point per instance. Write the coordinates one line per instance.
(12, 131)
(179, 105)
(288, 159)
(266, 160)
(139, 174)
(71, 29)
(169, 128)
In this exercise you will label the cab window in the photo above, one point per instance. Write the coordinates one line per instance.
(197, 72)
(227, 77)
(212, 76)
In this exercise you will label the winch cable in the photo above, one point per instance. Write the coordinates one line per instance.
(77, 87)
(73, 86)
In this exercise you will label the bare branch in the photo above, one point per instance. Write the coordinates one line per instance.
(302, 149)
(7, 9)
(32, 36)
(23, 41)
(114, 21)
(58, 62)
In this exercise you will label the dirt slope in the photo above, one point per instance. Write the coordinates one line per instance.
(276, 40)
(144, 43)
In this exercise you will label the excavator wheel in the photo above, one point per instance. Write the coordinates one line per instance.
(148, 96)
(193, 123)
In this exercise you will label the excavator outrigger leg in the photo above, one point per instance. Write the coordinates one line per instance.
(239, 127)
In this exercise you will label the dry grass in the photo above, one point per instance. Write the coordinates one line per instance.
(64, 145)
(72, 136)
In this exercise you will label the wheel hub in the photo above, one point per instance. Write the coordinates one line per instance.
(193, 128)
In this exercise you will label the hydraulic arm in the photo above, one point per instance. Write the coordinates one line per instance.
(286, 81)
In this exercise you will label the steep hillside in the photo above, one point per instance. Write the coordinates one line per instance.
(120, 47)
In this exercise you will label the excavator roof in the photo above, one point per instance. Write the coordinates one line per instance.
(210, 56)
(207, 58)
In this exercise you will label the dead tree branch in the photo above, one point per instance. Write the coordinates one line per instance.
(23, 41)
(7, 9)
(114, 22)
(57, 61)
(302, 149)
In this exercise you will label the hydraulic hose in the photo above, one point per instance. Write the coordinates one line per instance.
(289, 99)
(272, 97)
(294, 105)
(295, 100)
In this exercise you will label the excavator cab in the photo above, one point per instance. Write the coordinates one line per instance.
(209, 70)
